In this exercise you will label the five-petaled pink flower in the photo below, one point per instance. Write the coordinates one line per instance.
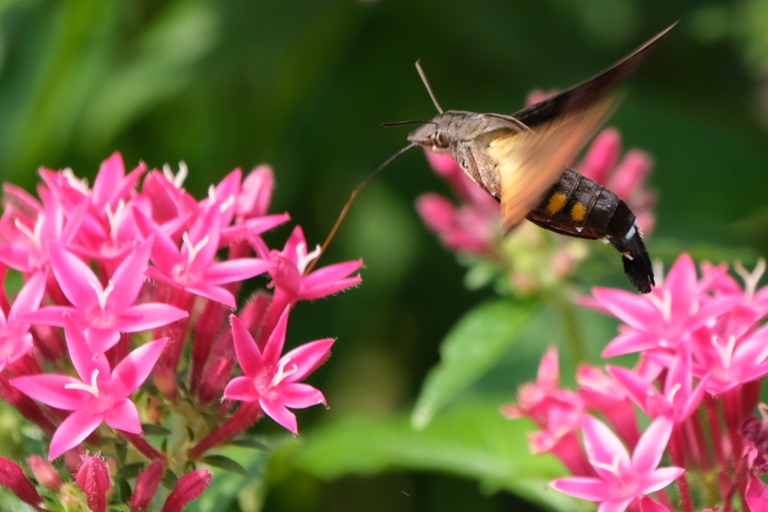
(621, 478)
(289, 274)
(193, 266)
(103, 312)
(100, 395)
(273, 380)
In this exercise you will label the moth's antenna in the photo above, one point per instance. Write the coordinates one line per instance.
(426, 84)
(349, 202)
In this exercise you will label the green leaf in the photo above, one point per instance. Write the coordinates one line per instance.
(247, 442)
(150, 429)
(472, 440)
(222, 462)
(473, 346)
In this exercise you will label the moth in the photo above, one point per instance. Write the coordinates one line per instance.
(521, 160)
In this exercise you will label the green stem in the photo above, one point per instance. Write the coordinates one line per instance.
(571, 326)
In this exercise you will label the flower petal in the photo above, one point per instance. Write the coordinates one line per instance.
(300, 396)
(586, 488)
(72, 431)
(248, 353)
(242, 389)
(50, 389)
(124, 416)
(76, 279)
(650, 448)
(280, 414)
(134, 369)
(143, 317)
(307, 358)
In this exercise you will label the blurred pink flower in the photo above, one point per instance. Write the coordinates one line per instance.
(621, 478)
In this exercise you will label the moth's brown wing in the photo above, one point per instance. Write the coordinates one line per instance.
(582, 96)
(530, 162)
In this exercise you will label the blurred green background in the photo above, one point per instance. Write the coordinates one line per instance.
(303, 85)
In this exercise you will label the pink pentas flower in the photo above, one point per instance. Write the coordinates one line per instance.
(729, 359)
(289, 271)
(26, 232)
(558, 412)
(533, 397)
(163, 199)
(110, 186)
(103, 312)
(474, 225)
(272, 380)
(100, 395)
(621, 478)
(678, 399)
(193, 266)
(15, 338)
(664, 318)
(605, 395)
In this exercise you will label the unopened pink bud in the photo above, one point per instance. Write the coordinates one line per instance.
(93, 479)
(256, 193)
(189, 487)
(46, 475)
(146, 487)
(12, 477)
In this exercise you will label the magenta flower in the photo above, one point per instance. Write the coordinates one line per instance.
(28, 227)
(271, 380)
(104, 312)
(110, 186)
(621, 478)
(193, 267)
(100, 395)
(288, 274)
(15, 338)
(474, 225)
(663, 318)
(679, 398)
(729, 359)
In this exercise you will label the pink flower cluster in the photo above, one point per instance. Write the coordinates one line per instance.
(703, 353)
(126, 309)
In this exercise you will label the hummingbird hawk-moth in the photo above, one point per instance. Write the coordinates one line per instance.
(521, 160)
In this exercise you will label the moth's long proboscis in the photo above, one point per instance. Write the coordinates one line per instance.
(349, 202)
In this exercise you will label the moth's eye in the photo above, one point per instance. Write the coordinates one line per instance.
(441, 139)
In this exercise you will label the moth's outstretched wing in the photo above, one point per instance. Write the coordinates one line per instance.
(582, 96)
(530, 162)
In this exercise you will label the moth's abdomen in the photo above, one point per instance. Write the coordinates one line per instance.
(580, 207)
